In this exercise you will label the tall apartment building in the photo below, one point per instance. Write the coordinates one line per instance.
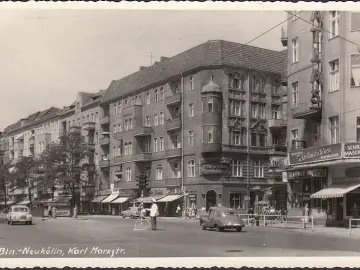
(216, 108)
(323, 112)
(83, 115)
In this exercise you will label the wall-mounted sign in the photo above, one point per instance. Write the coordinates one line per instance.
(277, 162)
(158, 191)
(307, 173)
(215, 167)
(316, 154)
(352, 150)
(63, 212)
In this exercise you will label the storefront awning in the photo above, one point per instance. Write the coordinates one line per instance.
(149, 199)
(23, 202)
(7, 203)
(110, 198)
(170, 198)
(120, 200)
(98, 199)
(335, 191)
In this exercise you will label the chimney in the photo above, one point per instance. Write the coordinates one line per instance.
(163, 58)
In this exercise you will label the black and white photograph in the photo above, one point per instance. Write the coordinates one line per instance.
(228, 135)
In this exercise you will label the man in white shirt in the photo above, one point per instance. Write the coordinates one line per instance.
(154, 212)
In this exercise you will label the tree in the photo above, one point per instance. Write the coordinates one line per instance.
(62, 159)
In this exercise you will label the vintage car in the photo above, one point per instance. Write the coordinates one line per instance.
(131, 212)
(221, 218)
(19, 214)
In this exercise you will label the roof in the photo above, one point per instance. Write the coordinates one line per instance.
(94, 98)
(210, 53)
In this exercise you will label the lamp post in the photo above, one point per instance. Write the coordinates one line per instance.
(53, 189)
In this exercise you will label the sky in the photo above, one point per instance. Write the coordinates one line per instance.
(47, 56)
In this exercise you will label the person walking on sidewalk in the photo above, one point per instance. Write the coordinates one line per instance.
(178, 211)
(154, 212)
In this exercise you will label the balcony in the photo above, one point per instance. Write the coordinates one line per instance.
(173, 124)
(141, 157)
(176, 152)
(255, 98)
(284, 37)
(143, 131)
(104, 141)
(210, 147)
(262, 100)
(104, 164)
(104, 120)
(278, 149)
(298, 144)
(277, 123)
(237, 95)
(306, 112)
(90, 146)
(316, 59)
(75, 129)
(90, 125)
(173, 100)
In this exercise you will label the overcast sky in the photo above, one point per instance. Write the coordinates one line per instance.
(47, 56)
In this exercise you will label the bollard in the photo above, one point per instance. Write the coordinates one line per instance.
(54, 212)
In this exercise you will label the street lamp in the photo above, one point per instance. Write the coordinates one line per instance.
(53, 188)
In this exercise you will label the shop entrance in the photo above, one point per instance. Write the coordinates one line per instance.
(339, 202)
(210, 199)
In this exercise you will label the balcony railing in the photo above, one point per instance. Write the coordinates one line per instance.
(104, 163)
(104, 141)
(278, 148)
(173, 100)
(142, 157)
(89, 125)
(298, 144)
(173, 124)
(276, 101)
(176, 152)
(105, 120)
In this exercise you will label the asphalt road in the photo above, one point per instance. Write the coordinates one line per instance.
(174, 238)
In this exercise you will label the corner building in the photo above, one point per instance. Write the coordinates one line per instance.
(207, 123)
(323, 114)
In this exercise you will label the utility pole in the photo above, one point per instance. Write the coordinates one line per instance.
(182, 90)
(248, 142)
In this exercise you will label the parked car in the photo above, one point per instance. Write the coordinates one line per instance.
(221, 218)
(131, 212)
(19, 214)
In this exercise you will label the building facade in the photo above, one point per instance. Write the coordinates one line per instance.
(323, 119)
(209, 127)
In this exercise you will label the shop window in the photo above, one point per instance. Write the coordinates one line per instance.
(236, 201)
(355, 70)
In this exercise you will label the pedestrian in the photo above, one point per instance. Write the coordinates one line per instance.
(178, 211)
(49, 211)
(154, 213)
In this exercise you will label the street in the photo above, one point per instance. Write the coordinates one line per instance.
(175, 238)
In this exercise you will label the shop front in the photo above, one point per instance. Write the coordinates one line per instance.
(122, 202)
(62, 205)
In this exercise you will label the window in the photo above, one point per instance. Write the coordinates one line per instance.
(115, 109)
(147, 121)
(334, 23)
(258, 169)
(128, 174)
(262, 85)
(176, 170)
(191, 110)
(237, 168)
(262, 140)
(156, 95)
(126, 124)
(119, 150)
(355, 21)
(156, 119)
(355, 70)
(130, 124)
(210, 134)
(334, 129)
(147, 144)
(159, 172)
(114, 152)
(130, 148)
(119, 128)
(120, 106)
(237, 138)
(191, 138)
(236, 201)
(155, 145)
(237, 107)
(191, 168)
(175, 140)
(275, 112)
(210, 102)
(147, 97)
(295, 95)
(235, 83)
(358, 129)
(126, 152)
(115, 129)
(253, 139)
(161, 144)
(162, 96)
(192, 84)
(262, 113)
(254, 110)
(254, 84)
(161, 119)
(316, 135)
(295, 50)
(334, 75)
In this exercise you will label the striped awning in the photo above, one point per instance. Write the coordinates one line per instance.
(110, 198)
(334, 191)
(120, 200)
(98, 199)
(23, 202)
(170, 198)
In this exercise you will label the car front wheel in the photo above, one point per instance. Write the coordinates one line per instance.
(219, 229)
(239, 229)
(204, 227)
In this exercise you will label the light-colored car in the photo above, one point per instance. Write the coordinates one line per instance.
(19, 214)
(131, 212)
(221, 218)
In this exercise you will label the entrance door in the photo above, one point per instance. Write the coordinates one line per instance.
(339, 208)
(210, 199)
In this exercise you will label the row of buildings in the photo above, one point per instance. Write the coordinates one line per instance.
(227, 123)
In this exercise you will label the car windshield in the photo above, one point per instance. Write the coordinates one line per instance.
(20, 210)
